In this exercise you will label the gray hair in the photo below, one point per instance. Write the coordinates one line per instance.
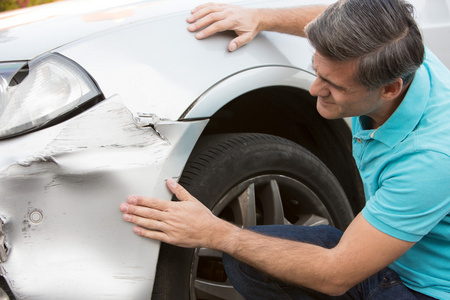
(381, 35)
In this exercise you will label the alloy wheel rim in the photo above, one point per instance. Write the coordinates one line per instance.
(261, 200)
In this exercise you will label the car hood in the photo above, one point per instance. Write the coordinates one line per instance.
(142, 51)
(50, 26)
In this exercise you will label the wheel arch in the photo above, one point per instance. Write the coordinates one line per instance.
(275, 100)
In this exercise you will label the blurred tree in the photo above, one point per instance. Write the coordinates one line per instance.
(23, 3)
(15, 4)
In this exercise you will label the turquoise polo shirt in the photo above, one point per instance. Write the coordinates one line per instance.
(405, 168)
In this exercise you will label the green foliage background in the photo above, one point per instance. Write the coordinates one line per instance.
(15, 4)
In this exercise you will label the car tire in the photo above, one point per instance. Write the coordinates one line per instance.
(247, 179)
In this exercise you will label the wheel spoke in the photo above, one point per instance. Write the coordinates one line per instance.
(312, 220)
(244, 208)
(209, 252)
(212, 290)
(260, 203)
(272, 204)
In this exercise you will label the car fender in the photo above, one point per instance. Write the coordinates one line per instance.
(230, 88)
(167, 77)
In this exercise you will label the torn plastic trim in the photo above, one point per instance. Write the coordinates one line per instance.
(148, 120)
(145, 119)
(3, 247)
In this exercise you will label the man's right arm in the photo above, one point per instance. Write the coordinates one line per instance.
(248, 22)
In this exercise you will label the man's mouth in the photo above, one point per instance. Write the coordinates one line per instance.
(322, 101)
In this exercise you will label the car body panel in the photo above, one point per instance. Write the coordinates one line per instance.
(99, 31)
(60, 187)
(63, 22)
(66, 187)
(238, 84)
(434, 20)
(172, 77)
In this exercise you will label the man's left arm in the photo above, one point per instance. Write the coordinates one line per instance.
(362, 251)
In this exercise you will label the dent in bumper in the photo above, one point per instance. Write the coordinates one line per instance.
(60, 189)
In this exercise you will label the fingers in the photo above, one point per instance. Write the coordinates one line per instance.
(154, 208)
(149, 221)
(151, 234)
(209, 29)
(145, 211)
(212, 18)
(204, 10)
(144, 222)
(155, 203)
(181, 223)
(205, 5)
(211, 22)
(240, 41)
(179, 191)
(142, 211)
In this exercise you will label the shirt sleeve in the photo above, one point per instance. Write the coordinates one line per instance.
(413, 197)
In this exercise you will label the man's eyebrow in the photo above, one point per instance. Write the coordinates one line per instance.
(332, 83)
(327, 80)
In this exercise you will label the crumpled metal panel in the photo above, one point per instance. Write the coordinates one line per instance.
(60, 189)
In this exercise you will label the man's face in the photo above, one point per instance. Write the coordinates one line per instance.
(338, 94)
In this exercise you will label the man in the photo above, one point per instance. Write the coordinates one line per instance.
(370, 65)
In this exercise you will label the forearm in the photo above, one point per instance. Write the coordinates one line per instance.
(290, 261)
(288, 20)
(362, 250)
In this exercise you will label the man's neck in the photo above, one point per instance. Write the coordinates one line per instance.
(376, 121)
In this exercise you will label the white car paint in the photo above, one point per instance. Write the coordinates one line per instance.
(60, 187)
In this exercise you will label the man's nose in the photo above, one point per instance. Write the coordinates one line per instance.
(318, 89)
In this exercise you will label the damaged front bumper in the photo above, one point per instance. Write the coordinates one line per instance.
(60, 188)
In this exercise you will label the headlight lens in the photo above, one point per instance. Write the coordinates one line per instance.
(43, 90)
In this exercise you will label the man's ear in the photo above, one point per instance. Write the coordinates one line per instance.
(392, 90)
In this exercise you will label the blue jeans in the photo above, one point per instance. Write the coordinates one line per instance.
(253, 284)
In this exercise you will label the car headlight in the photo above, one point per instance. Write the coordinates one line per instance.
(42, 92)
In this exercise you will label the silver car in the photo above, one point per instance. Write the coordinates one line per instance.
(100, 99)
